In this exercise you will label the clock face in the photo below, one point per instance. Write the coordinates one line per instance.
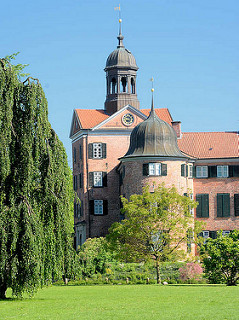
(127, 119)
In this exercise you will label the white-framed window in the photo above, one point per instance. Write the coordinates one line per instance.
(205, 235)
(98, 179)
(98, 207)
(191, 209)
(190, 170)
(97, 150)
(225, 232)
(222, 171)
(154, 169)
(202, 171)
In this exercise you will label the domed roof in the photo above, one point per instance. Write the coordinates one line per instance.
(121, 57)
(154, 137)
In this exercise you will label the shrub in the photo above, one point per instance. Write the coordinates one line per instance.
(191, 272)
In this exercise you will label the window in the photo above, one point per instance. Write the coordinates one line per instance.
(190, 171)
(236, 204)
(191, 209)
(80, 152)
(80, 180)
(184, 170)
(97, 150)
(201, 172)
(77, 209)
(98, 207)
(225, 232)
(154, 169)
(222, 171)
(205, 235)
(74, 155)
(98, 181)
(223, 205)
(202, 210)
(75, 187)
(233, 171)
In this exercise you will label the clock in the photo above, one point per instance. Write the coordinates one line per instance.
(127, 119)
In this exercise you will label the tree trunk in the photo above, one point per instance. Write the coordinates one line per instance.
(158, 271)
(3, 289)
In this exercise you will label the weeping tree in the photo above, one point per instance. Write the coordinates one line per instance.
(36, 194)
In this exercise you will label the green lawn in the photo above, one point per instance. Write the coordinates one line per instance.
(127, 302)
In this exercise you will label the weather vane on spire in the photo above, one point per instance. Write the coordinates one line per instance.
(120, 20)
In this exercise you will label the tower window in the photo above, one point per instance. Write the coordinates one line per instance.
(113, 85)
(132, 86)
(123, 85)
(154, 169)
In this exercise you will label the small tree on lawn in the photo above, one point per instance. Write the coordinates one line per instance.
(221, 258)
(156, 226)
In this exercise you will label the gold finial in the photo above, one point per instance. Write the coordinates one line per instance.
(120, 20)
(152, 80)
(152, 90)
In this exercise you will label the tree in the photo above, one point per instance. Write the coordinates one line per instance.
(36, 194)
(156, 226)
(94, 255)
(221, 258)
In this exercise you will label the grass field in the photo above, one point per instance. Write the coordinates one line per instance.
(127, 302)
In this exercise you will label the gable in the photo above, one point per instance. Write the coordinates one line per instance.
(93, 118)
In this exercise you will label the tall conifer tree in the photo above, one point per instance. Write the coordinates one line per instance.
(36, 194)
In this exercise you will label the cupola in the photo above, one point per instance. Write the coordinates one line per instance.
(121, 69)
(153, 138)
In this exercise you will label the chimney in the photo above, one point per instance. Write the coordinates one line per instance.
(177, 128)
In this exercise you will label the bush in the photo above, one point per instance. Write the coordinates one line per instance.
(191, 272)
(221, 258)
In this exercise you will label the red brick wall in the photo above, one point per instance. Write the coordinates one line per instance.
(212, 186)
(134, 179)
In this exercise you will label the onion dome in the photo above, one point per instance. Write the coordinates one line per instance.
(121, 57)
(154, 137)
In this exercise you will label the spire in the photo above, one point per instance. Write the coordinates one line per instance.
(120, 36)
(152, 112)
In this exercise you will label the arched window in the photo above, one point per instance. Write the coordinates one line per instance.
(123, 84)
(113, 86)
(132, 86)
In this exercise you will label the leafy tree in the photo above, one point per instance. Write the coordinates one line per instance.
(36, 195)
(94, 255)
(156, 226)
(221, 258)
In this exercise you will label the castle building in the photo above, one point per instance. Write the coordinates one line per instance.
(122, 148)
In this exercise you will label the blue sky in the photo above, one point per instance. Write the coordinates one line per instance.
(190, 47)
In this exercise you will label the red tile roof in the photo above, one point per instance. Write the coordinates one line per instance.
(206, 145)
(89, 118)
